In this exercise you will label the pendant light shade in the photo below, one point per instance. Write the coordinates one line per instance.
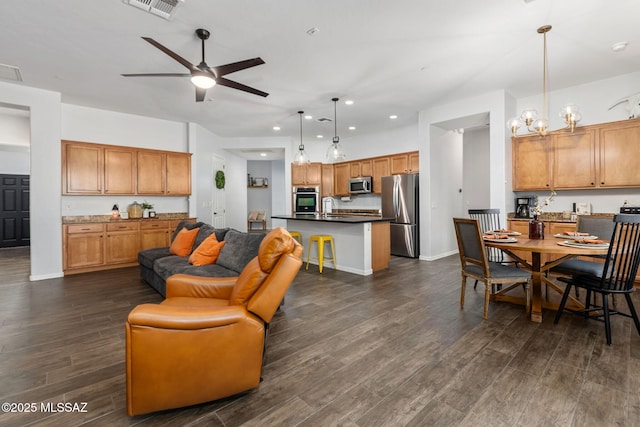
(335, 153)
(301, 156)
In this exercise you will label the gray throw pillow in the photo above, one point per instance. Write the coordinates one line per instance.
(239, 249)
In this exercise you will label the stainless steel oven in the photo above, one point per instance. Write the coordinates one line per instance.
(306, 200)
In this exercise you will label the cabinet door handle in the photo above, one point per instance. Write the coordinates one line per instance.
(86, 229)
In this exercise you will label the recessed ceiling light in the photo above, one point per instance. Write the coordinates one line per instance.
(319, 136)
(263, 154)
(312, 31)
(393, 117)
(308, 117)
(348, 102)
(352, 128)
(618, 47)
(276, 128)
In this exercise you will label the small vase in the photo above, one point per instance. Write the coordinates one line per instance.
(536, 229)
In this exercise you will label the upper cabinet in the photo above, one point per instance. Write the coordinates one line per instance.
(381, 167)
(306, 174)
(326, 189)
(532, 163)
(341, 175)
(405, 163)
(619, 154)
(81, 168)
(595, 156)
(96, 169)
(178, 174)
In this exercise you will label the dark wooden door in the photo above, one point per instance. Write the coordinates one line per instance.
(14, 210)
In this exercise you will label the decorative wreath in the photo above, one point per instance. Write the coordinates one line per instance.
(220, 179)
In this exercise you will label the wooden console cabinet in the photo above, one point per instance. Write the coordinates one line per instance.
(107, 245)
(99, 169)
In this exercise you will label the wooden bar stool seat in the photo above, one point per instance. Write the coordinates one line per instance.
(321, 240)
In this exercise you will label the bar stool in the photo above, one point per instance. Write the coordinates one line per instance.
(296, 235)
(321, 240)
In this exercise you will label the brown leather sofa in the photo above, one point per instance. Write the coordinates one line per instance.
(207, 339)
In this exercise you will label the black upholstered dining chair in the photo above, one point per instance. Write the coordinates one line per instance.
(616, 275)
(489, 220)
(475, 264)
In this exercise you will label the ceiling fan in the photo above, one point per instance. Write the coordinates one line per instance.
(203, 76)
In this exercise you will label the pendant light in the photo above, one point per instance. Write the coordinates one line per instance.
(301, 157)
(569, 112)
(335, 153)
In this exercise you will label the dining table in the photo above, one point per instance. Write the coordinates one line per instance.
(565, 248)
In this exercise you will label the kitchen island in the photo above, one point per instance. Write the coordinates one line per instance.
(362, 242)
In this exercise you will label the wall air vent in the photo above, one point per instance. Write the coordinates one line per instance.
(8, 72)
(162, 8)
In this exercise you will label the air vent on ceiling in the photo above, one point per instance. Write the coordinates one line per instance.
(9, 72)
(162, 8)
(324, 119)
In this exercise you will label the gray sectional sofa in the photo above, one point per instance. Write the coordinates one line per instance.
(157, 264)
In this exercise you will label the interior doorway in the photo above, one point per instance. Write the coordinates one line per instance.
(15, 142)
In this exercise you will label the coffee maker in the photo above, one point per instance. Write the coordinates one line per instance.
(524, 206)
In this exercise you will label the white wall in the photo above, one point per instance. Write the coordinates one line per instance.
(594, 100)
(45, 131)
(14, 141)
(109, 127)
(475, 179)
(436, 229)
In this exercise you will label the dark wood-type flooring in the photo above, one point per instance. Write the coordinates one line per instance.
(392, 349)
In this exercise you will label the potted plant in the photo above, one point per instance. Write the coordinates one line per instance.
(146, 207)
(220, 180)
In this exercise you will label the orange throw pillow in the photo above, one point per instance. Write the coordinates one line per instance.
(183, 243)
(207, 252)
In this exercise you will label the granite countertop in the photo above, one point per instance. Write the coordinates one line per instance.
(555, 217)
(88, 219)
(335, 218)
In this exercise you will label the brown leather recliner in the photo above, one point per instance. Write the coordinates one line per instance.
(206, 340)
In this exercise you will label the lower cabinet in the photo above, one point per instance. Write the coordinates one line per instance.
(107, 245)
(550, 228)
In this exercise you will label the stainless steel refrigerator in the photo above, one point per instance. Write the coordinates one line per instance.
(400, 201)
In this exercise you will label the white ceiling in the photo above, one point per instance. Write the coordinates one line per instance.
(389, 57)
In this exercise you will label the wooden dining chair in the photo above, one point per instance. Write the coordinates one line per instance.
(616, 276)
(476, 265)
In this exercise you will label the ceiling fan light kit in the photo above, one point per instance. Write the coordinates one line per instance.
(203, 76)
(529, 117)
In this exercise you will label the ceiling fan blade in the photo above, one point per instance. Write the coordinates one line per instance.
(221, 70)
(171, 53)
(200, 94)
(235, 85)
(158, 75)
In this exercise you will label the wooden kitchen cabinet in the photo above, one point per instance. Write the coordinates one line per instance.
(306, 174)
(83, 246)
(152, 172)
(360, 168)
(178, 181)
(122, 243)
(574, 159)
(98, 169)
(405, 163)
(326, 189)
(381, 167)
(155, 234)
(119, 170)
(82, 167)
(531, 163)
(341, 175)
(619, 154)
(550, 228)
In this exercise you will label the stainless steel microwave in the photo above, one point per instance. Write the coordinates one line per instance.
(360, 185)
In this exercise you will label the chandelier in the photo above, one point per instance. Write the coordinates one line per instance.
(301, 157)
(569, 113)
(335, 153)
